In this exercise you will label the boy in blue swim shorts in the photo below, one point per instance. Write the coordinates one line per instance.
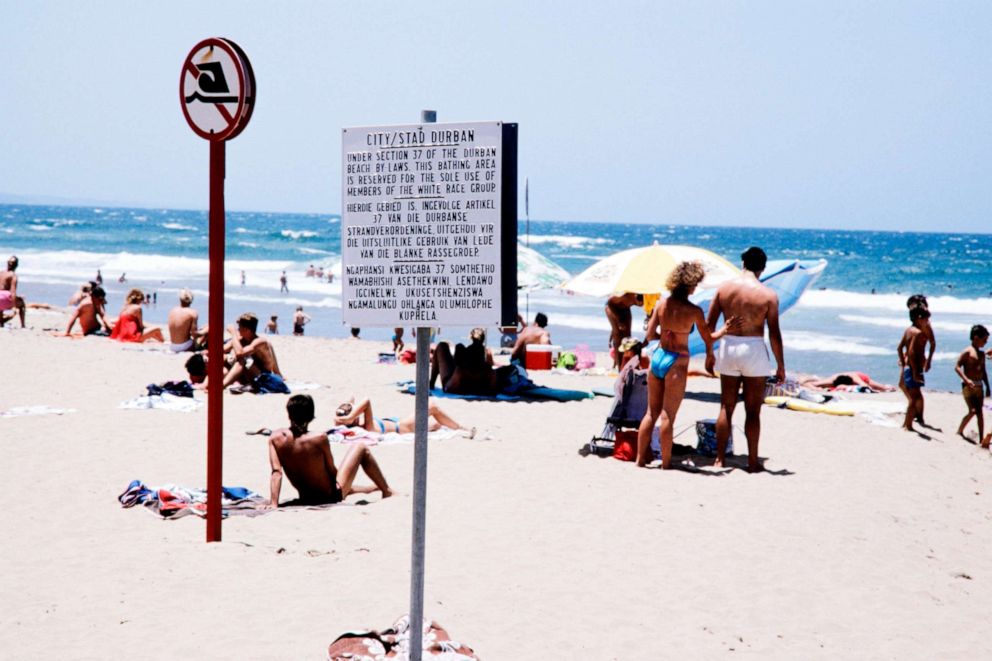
(912, 361)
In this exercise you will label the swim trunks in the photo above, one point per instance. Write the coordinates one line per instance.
(6, 300)
(297, 329)
(182, 346)
(907, 378)
(269, 382)
(973, 395)
(743, 356)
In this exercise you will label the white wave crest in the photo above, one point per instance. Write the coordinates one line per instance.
(299, 234)
(40, 228)
(567, 241)
(178, 227)
(848, 300)
(902, 323)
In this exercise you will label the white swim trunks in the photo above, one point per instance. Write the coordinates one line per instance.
(743, 356)
(183, 346)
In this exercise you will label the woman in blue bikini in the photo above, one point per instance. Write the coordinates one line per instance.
(672, 321)
(359, 414)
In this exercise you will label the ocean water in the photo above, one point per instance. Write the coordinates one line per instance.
(852, 320)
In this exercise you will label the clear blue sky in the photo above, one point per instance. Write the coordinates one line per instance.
(831, 114)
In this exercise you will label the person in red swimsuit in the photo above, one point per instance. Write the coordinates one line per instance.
(130, 325)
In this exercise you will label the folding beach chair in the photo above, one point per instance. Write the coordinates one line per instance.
(626, 412)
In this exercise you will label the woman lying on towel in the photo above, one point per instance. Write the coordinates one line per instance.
(846, 380)
(359, 414)
(469, 370)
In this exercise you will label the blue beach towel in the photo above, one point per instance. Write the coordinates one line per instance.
(531, 393)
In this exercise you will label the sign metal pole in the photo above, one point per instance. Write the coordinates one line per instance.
(420, 475)
(215, 340)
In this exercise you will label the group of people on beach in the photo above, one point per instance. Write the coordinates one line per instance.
(915, 351)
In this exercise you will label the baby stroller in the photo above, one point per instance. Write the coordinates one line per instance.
(626, 413)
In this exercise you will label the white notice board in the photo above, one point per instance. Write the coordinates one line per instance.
(420, 225)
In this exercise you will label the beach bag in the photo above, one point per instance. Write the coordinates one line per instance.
(706, 438)
(584, 358)
(567, 360)
(625, 445)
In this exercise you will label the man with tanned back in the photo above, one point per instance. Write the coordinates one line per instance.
(536, 333)
(305, 458)
(91, 314)
(742, 359)
(182, 323)
(255, 363)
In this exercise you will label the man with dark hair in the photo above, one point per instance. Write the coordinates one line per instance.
(91, 314)
(255, 365)
(533, 334)
(306, 459)
(742, 358)
(9, 300)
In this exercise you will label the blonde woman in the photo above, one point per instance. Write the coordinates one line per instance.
(671, 322)
(130, 326)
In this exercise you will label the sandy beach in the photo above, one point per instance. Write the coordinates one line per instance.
(860, 542)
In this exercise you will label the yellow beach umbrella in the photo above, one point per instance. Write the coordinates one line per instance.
(644, 270)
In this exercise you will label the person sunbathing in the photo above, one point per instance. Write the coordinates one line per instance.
(183, 321)
(359, 414)
(130, 326)
(307, 461)
(262, 373)
(469, 370)
(91, 314)
(857, 379)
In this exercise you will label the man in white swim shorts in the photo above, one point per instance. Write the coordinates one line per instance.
(742, 359)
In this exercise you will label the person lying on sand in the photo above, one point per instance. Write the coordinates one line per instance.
(255, 363)
(359, 414)
(469, 370)
(305, 458)
(91, 314)
(859, 379)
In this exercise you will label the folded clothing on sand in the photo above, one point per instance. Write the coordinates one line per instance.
(520, 392)
(171, 501)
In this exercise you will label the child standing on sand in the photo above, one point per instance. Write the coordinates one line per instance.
(974, 381)
(912, 362)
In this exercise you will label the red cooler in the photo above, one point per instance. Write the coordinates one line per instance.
(541, 356)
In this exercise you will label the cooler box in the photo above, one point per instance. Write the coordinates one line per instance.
(541, 356)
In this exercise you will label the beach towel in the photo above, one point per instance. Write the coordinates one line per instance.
(530, 394)
(164, 401)
(297, 386)
(394, 643)
(21, 411)
(171, 501)
(350, 435)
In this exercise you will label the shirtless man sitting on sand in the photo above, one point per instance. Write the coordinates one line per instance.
(536, 333)
(742, 359)
(91, 314)
(306, 459)
(359, 414)
(183, 320)
(9, 300)
(263, 372)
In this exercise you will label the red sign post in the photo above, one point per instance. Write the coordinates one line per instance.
(217, 95)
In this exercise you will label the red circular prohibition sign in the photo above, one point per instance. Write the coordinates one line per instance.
(212, 109)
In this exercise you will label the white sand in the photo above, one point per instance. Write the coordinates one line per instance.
(872, 542)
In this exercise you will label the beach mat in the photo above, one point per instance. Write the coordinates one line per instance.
(530, 394)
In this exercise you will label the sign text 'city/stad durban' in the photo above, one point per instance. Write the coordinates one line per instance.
(421, 225)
